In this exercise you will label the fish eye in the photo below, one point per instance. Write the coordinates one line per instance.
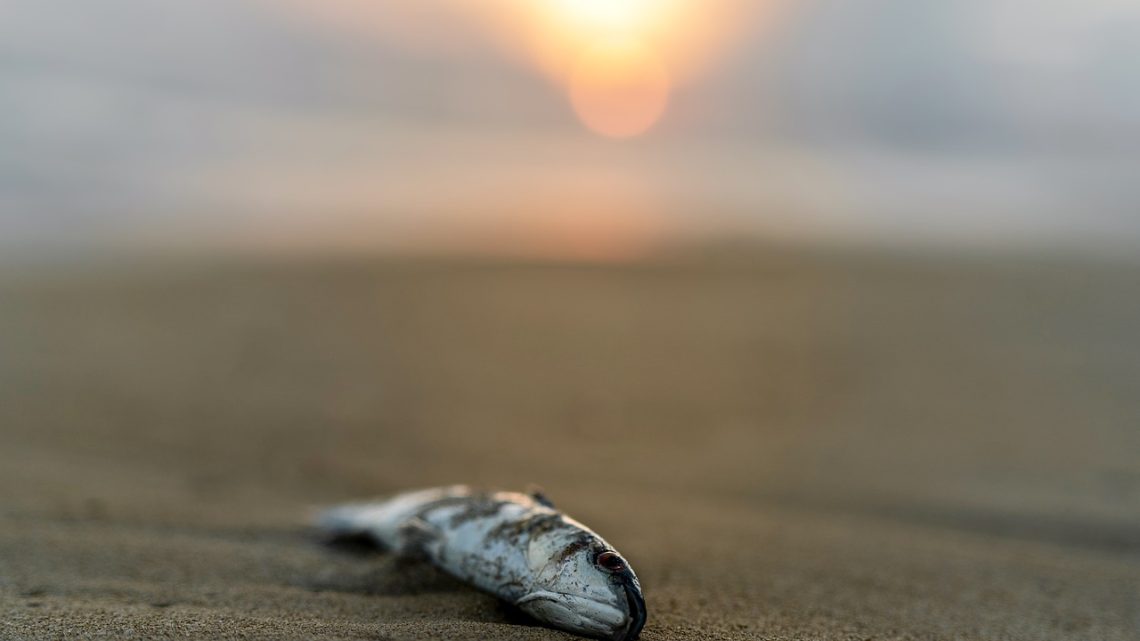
(610, 562)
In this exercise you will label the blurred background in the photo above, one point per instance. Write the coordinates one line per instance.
(489, 126)
(842, 295)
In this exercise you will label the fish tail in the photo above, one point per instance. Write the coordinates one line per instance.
(341, 520)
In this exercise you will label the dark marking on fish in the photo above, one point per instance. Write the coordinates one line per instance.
(575, 546)
(476, 508)
(512, 531)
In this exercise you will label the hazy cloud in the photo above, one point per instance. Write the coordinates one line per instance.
(877, 118)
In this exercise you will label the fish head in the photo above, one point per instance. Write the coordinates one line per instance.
(584, 586)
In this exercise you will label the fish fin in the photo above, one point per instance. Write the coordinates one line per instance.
(415, 534)
(539, 496)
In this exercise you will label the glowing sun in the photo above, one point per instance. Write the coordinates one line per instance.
(607, 54)
(619, 88)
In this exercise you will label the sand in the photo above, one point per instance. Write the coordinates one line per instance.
(785, 444)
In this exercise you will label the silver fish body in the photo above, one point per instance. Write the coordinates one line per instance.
(515, 546)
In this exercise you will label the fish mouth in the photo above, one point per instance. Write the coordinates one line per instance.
(583, 615)
(637, 613)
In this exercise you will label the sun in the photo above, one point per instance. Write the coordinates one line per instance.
(619, 89)
(607, 56)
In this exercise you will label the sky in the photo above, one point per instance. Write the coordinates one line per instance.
(512, 126)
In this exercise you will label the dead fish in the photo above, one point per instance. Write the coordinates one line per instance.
(516, 546)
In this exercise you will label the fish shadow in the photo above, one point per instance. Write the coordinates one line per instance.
(358, 545)
(512, 615)
(377, 572)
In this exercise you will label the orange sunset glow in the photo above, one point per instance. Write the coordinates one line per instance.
(615, 61)
(619, 89)
(603, 52)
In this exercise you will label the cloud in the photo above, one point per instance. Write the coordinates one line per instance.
(878, 118)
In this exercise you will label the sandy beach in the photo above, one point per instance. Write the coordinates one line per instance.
(786, 444)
